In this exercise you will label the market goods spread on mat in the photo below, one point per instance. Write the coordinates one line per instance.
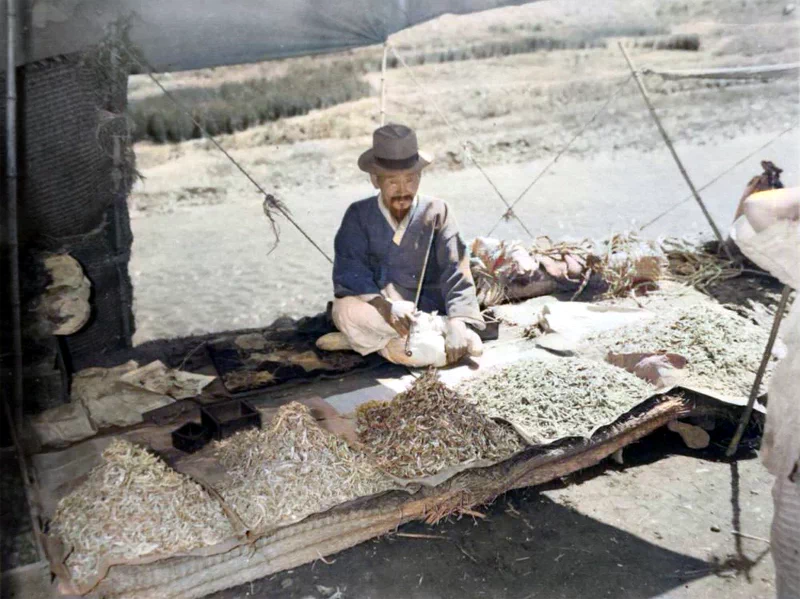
(133, 506)
(547, 400)
(293, 469)
(430, 428)
(723, 349)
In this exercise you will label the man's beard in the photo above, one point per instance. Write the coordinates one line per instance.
(397, 211)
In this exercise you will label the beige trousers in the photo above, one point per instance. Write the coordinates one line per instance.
(368, 332)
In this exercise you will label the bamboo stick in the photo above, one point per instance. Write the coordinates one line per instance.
(773, 334)
(672, 151)
(383, 83)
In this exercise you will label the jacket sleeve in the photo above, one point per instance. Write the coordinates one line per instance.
(456, 280)
(776, 249)
(352, 274)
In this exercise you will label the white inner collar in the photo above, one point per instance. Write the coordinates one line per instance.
(398, 228)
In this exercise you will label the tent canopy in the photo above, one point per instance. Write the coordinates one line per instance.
(176, 35)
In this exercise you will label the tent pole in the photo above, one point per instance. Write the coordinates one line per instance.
(383, 83)
(773, 334)
(15, 415)
(11, 200)
(672, 151)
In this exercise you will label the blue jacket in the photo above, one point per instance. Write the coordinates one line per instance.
(367, 260)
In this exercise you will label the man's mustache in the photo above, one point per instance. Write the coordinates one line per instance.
(402, 198)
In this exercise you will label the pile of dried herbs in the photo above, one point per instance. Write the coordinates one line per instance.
(552, 399)
(134, 505)
(723, 349)
(699, 266)
(292, 470)
(629, 263)
(429, 428)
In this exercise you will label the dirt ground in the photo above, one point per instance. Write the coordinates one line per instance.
(201, 258)
(659, 526)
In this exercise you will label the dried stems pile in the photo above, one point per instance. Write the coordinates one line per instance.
(698, 266)
(628, 264)
(133, 505)
(552, 399)
(621, 265)
(723, 349)
(619, 261)
(429, 428)
(292, 470)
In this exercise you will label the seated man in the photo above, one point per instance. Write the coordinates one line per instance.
(380, 251)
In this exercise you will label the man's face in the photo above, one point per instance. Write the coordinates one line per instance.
(398, 191)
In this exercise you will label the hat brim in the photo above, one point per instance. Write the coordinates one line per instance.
(368, 164)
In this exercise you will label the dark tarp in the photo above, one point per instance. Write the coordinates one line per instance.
(178, 35)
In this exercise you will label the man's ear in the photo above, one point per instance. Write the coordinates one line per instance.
(374, 178)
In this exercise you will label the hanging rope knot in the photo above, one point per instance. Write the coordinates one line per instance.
(270, 202)
(509, 214)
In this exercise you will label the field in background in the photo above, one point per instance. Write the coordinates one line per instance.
(201, 252)
(303, 84)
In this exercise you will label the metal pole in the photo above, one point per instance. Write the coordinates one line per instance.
(773, 334)
(28, 483)
(125, 300)
(12, 175)
(11, 199)
(383, 83)
(672, 151)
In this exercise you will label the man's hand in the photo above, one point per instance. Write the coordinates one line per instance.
(399, 314)
(456, 340)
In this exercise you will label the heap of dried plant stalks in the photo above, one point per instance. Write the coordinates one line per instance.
(292, 470)
(617, 262)
(621, 266)
(723, 349)
(553, 399)
(133, 505)
(430, 428)
(698, 266)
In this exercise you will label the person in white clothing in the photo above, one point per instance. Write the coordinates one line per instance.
(768, 232)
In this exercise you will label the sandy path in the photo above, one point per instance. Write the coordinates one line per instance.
(207, 267)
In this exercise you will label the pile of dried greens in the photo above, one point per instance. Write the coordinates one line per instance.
(133, 505)
(293, 469)
(553, 399)
(429, 428)
(723, 349)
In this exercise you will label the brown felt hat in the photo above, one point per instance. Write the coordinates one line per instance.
(394, 149)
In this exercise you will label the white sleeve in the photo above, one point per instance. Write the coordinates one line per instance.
(776, 249)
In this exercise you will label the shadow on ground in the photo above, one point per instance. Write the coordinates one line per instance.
(527, 546)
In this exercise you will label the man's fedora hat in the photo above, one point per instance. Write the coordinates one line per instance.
(394, 148)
